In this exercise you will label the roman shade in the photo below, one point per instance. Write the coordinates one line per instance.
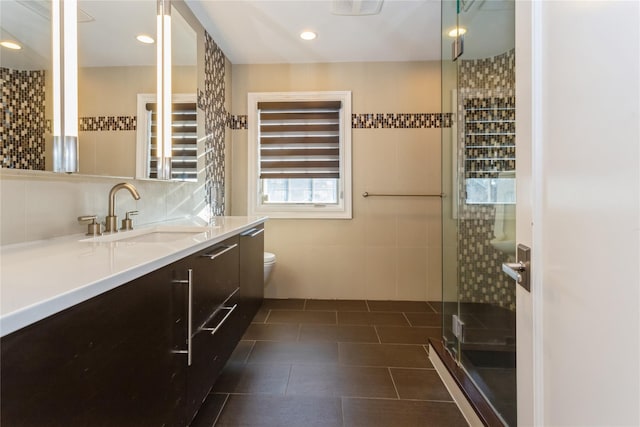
(299, 139)
(184, 141)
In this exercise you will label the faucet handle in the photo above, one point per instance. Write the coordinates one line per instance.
(93, 228)
(130, 213)
(127, 222)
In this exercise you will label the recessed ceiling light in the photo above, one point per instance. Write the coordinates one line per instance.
(143, 38)
(308, 35)
(10, 44)
(457, 31)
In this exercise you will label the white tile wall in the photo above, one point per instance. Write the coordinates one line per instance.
(40, 205)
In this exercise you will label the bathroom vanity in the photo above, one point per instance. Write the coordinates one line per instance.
(142, 338)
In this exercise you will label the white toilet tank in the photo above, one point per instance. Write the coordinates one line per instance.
(269, 263)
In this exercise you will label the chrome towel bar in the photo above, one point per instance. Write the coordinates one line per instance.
(367, 194)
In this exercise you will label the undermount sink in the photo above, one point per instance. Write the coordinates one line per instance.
(159, 234)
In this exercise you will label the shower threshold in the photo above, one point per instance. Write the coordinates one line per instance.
(483, 411)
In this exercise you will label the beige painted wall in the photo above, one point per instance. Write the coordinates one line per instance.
(391, 249)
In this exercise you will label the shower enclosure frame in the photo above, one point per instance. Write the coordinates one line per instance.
(470, 346)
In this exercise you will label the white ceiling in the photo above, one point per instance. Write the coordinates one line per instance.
(266, 31)
(262, 31)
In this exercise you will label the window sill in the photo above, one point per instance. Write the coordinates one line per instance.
(303, 213)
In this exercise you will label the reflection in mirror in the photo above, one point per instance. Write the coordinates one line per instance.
(114, 67)
(184, 83)
(25, 72)
(184, 152)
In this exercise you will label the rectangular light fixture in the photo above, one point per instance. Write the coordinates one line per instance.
(163, 67)
(65, 85)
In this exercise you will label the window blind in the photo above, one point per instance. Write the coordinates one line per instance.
(299, 139)
(489, 136)
(184, 142)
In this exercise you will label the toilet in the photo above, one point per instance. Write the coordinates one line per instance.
(269, 263)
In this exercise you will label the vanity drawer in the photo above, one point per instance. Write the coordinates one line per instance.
(215, 276)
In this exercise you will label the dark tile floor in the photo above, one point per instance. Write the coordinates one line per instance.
(333, 363)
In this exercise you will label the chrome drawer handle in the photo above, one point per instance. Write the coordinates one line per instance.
(224, 319)
(257, 232)
(189, 283)
(216, 255)
(252, 232)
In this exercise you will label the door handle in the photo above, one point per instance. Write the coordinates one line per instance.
(520, 271)
(513, 270)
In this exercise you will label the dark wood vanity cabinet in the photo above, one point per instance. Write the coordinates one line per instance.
(251, 272)
(104, 362)
(143, 354)
(215, 327)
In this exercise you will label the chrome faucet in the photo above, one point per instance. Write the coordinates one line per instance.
(111, 221)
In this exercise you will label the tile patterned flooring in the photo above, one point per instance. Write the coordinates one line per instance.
(333, 363)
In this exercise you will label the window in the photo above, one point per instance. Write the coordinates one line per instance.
(300, 154)
(184, 138)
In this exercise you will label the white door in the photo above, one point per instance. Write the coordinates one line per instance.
(578, 142)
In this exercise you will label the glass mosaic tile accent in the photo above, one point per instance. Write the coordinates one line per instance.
(237, 122)
(216, 118)
(375, 121)
(489, 136)
(399, 120)
(486, 106)
(23, 125)
(107, 123)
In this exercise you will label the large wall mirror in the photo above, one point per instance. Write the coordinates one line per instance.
(117, 90)
(25, 73)
(114, 69)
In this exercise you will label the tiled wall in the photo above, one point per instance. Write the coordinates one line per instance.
(480, 278)
(392, 248)
(22, 129)
(39, 205)
(216, 118)
(489, 128)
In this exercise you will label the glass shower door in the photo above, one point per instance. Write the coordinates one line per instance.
(478, 88)
(449, 81)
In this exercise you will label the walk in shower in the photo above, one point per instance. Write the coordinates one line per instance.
(478, 165)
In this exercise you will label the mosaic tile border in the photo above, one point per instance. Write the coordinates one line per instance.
(107, 123)
(237, 122)
(400, 120)
(373, 121)
(240, 121)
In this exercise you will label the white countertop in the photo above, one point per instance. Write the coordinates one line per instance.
(42, 278)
